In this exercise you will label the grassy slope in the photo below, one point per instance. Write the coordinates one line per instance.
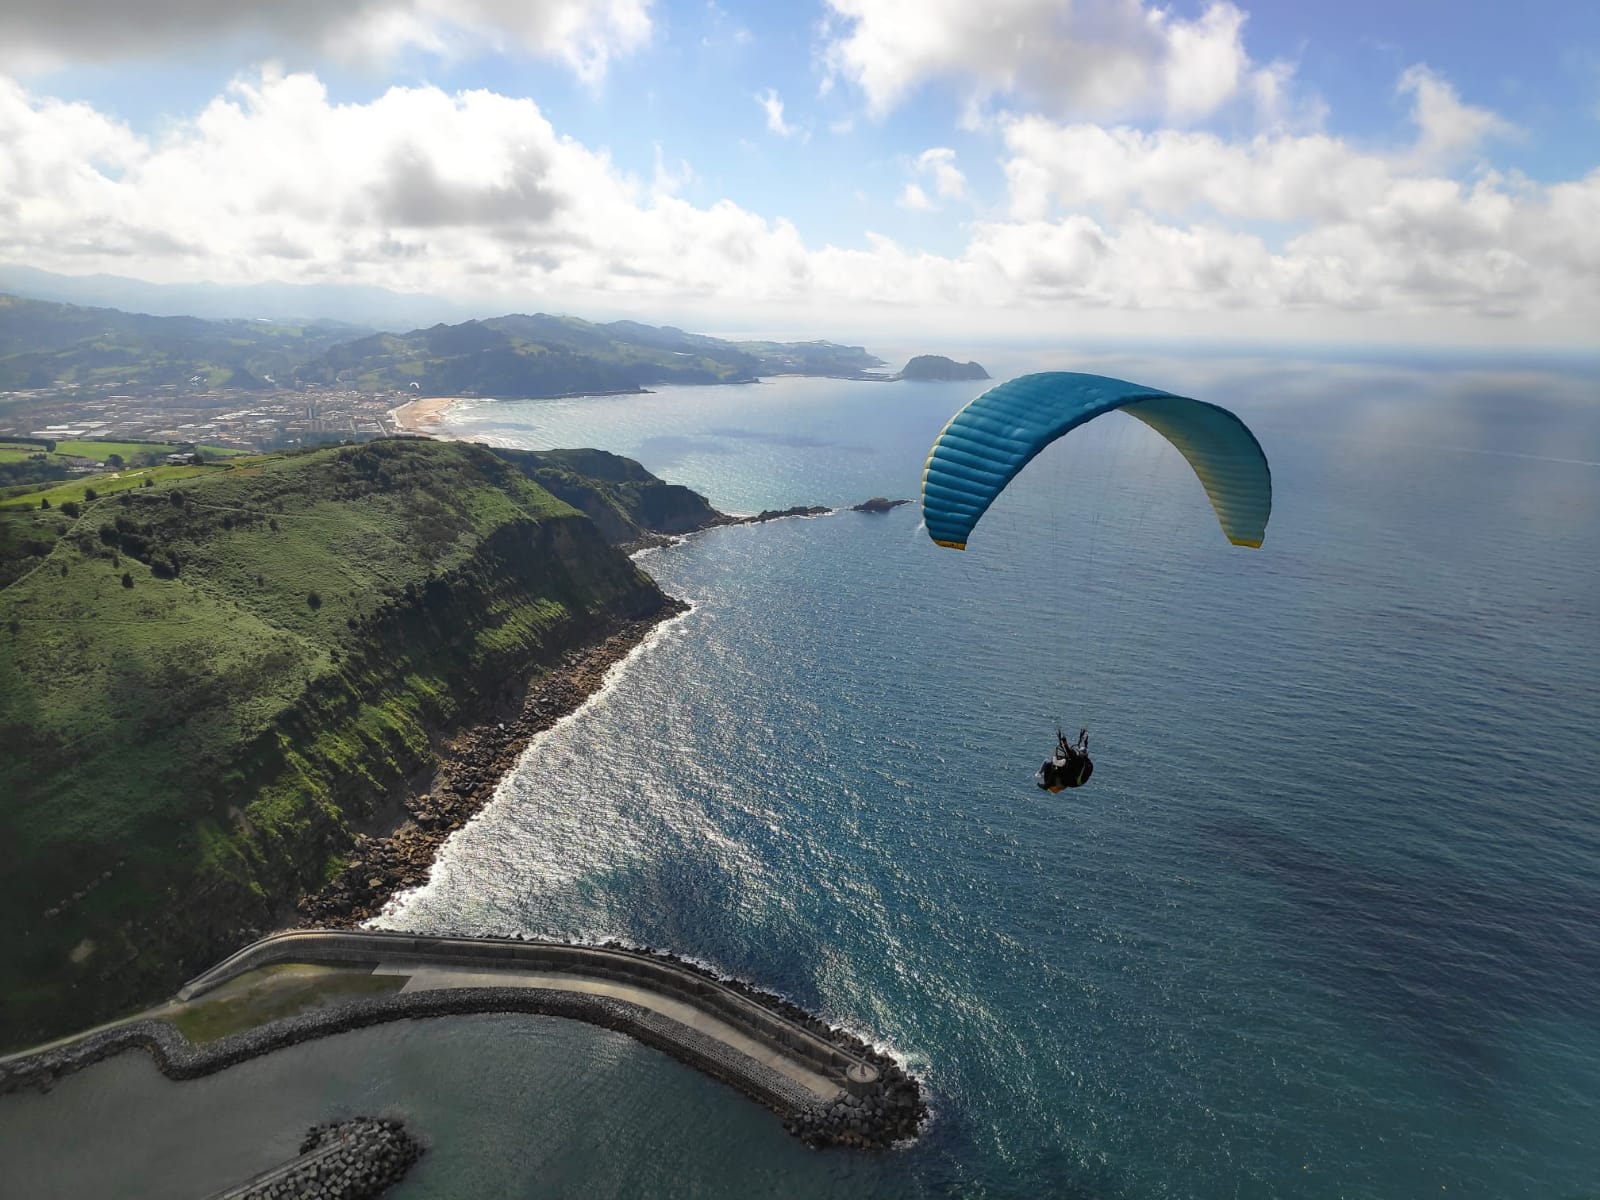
(42, 343)
(185, 753)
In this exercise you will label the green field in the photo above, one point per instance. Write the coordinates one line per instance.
(97, 450)
(106, 483)
(204, 683)
(272, 993)
(25, 464)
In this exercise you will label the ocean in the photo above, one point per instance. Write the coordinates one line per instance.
(1324, 923)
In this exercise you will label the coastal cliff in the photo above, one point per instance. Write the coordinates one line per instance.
(209, 689)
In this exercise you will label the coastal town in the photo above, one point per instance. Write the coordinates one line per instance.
(232, 417)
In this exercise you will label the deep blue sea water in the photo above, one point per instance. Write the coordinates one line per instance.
(1326, 923)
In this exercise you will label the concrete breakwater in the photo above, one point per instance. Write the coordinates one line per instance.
(828, 1086)
(358, 1159)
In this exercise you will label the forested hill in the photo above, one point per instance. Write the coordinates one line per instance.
(542, 355)
(44, 345)
(207, 680)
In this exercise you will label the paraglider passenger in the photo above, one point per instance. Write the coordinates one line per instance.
(1070, 766)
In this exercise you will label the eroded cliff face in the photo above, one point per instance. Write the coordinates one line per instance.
(627, 502)
(188, 755)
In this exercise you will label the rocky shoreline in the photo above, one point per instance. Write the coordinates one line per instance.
(471, 766)
(475, 760)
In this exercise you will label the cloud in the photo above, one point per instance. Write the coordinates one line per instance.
(1097, 58)
(947, 179)
(1346, 228)
(584, 34)
(1447, 128)
(773, 107)
(476, 194)
(914, 198)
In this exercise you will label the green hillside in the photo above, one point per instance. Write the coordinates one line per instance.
(43, 345)
(542, 355)
(206, 681)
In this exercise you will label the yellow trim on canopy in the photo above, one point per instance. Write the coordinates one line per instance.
(952, 545)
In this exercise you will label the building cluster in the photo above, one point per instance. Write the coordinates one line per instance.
(223, 416)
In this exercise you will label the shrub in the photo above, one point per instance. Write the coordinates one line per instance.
(70, 508)
(90, 494)
(314, 599)
(148, 482)
(127, 580)
(44, 502)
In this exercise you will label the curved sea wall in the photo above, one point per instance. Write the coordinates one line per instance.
(876, 1104)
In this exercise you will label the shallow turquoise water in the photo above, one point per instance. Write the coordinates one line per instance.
(1323, 925)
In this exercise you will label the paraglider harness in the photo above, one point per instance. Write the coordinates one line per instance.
(1069, 766)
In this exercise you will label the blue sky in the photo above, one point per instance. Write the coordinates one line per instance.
(1416, 171)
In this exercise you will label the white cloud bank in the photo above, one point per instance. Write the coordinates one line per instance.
(475, 195)
(585, 34)
(1093, 58)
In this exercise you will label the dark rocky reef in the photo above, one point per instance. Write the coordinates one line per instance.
(938, 368)
(775, 514)
(878, 504)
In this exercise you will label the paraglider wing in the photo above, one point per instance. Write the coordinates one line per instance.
(985, 444)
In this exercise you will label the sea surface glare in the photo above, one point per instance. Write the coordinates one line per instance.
(1324, 924)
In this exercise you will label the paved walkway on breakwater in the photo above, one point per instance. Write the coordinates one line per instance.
(713, 1008)
(830, 1088)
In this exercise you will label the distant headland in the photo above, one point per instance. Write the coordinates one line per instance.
(927, 368)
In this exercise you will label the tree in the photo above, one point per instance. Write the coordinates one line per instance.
(69, 508)
(148, 482)
(114, 461)
(44, 502)
(127, 580)
(314, 599)
(90, 494)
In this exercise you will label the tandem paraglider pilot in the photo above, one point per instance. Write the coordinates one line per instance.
(1069, 766)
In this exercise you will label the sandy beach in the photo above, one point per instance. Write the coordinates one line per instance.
(421, 416)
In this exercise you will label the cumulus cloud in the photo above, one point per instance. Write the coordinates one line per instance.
(938, 165)
(585, 34)
(1356, 229)
(1098, 58)
(476, 193)
(1446, 127)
